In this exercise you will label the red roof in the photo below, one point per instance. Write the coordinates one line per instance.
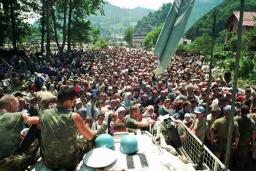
(249, 18)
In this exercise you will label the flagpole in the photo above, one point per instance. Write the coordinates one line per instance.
(200, 162)
(234, 90)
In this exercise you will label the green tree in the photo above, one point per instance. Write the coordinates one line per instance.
(95, 35)
(249, 39)
(201, 44)
(66, 20)
(151, 37)
(203, 26)
(152, 20)
(12, 26)
(42, 22)
(128, 36)
(79, 10)
(101, 43)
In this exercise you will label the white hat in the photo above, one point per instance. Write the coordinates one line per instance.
(187, 115)
(78, 100)
(120, 109)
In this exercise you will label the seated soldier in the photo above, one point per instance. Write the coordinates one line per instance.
(59, 128)
(11, 125)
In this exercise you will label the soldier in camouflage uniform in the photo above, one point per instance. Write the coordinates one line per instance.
(12, 156)
(59, 130)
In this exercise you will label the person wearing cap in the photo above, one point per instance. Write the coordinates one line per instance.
(187, 120)
(247, 132)
(197, 127)
(12, 154)
(149, 113)
(215, 114)
(59, 128)
(121, 112)
(219, 133)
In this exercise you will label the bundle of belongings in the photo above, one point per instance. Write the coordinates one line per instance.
(168, 133)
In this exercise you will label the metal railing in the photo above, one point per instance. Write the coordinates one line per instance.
(192, 145)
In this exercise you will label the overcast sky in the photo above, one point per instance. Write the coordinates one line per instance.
(151, 4)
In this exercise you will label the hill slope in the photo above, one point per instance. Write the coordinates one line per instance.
(116, 19)
(224, 11)
(148, 23)
(152, 20)
(203, 26)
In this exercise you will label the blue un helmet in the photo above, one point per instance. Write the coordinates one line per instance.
(104, 140)
(129, 144)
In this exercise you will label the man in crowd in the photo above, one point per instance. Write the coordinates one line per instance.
(11, 125)
(134, 120)
(59, 132)
(247, 137)
(219, 134)
(198, 126)
(117, 77)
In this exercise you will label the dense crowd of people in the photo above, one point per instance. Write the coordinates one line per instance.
(114, 90)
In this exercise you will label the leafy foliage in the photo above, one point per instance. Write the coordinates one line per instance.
(101, 43)
(128, 36)
(151, 38)
(152, 20)
(203, 26)
(201, 45)
(61, 20)
(12, 16)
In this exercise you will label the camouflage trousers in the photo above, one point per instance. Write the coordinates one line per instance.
(26, 155)
(70, 162)
(17, 162)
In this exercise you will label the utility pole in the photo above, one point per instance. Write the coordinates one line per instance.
(201, 157)
(234, 90)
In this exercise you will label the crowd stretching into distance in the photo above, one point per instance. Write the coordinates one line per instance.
(114, 90)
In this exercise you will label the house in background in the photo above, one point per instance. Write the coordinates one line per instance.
(249, 21)
(138, 39)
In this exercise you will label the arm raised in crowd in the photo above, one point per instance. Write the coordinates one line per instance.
(143, 124)
(82, 128)
(30, 120)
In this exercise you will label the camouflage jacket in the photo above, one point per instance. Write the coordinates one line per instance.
(11, 125)
(58, 132)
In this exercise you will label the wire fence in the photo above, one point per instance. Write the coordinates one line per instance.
(192, 145)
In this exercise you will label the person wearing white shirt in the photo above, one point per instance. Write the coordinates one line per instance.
(99, 122)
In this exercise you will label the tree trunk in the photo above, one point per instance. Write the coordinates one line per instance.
(55, 28)
(69, 25)
(48, 40)
(64, 26)
(43, 26)
(14, 38)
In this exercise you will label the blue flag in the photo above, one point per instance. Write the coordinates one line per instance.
(181, 16)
